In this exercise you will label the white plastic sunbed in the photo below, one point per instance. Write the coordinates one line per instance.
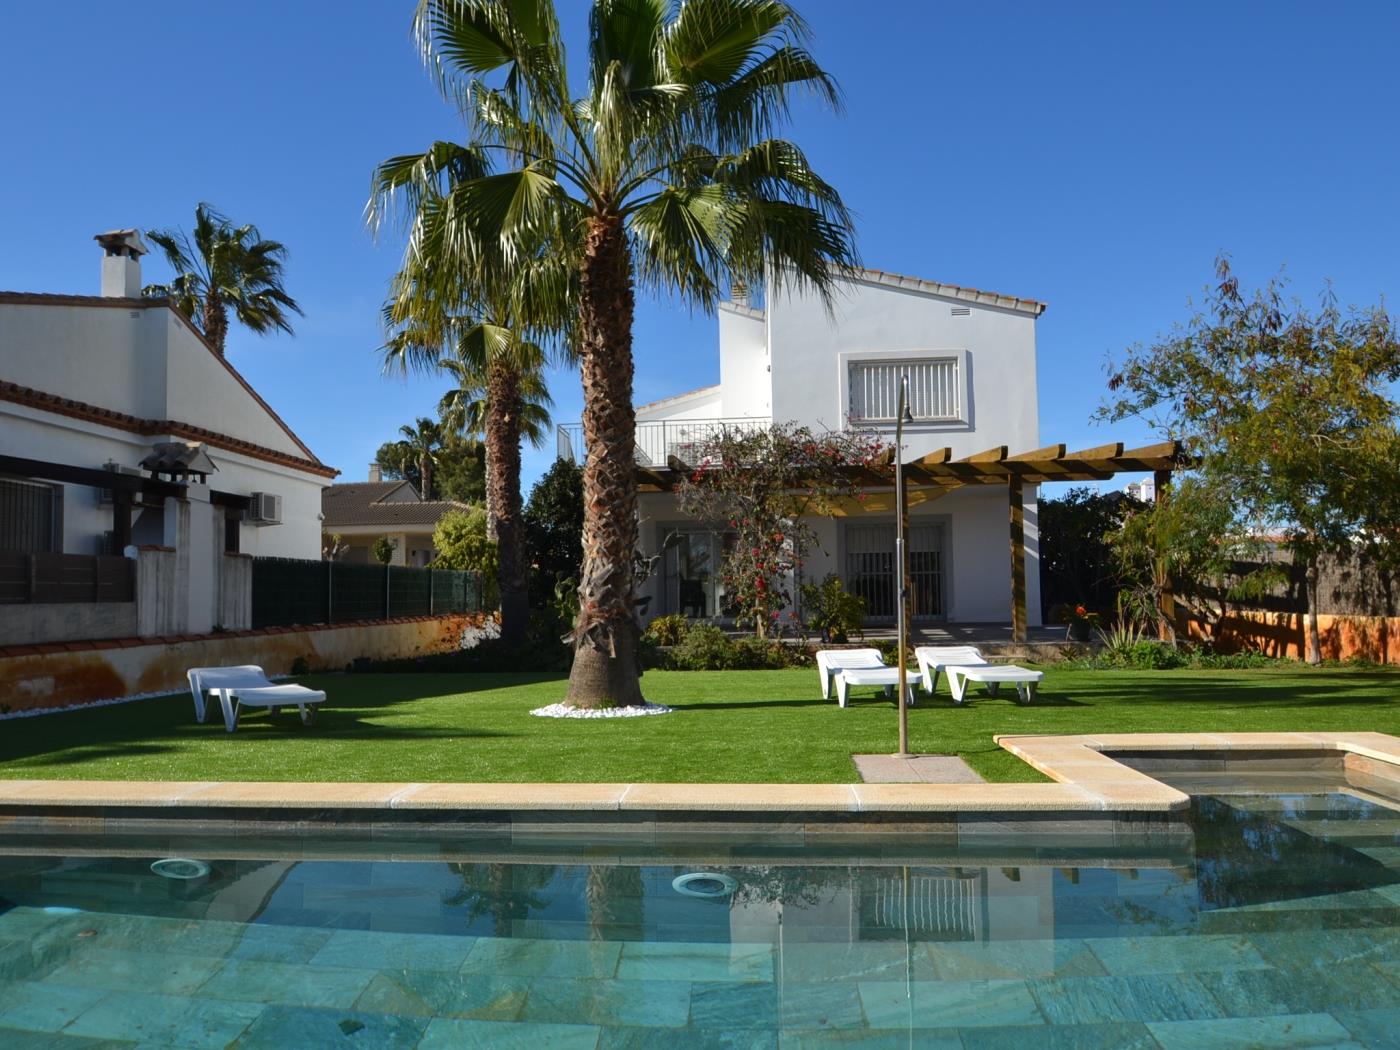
(886, 677)
(992, 676)
(934, 659)
(831, 662)
(247, 686)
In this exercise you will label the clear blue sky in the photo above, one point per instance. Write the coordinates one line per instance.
(1096, 156)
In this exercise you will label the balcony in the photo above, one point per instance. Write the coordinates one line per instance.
(659, 439)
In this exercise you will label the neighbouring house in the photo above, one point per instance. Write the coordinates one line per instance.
(970, 357)
(136, 461)
(361, 512)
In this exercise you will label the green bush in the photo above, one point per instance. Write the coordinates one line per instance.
(670, 629)
(705, 648)
(832, 611)
(461, 543)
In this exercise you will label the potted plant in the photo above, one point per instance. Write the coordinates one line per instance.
(832, 611)
(1081, 623)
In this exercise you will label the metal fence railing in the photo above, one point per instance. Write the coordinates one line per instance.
(288, 591)
(657, 440)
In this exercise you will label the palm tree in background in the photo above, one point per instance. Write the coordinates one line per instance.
(224, 266)
(421, 443)
(461, 313)
(665, 171)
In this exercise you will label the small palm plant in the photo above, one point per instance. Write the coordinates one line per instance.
(223, 266)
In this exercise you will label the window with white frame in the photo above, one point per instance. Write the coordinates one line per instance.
(935, 389)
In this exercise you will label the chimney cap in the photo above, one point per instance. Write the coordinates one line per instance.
(122, 242)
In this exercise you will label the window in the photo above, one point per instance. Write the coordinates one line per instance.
(30, 516)
(935, 389)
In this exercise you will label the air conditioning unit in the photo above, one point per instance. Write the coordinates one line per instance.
(265, 508)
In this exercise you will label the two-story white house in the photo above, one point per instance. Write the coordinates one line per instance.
(970, 358)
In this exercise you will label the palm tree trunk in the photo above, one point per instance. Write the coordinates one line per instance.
(215, 322)
(425, 472)
(503, 502)
(606, 670)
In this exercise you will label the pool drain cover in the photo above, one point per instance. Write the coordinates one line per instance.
(704, 884)
(180, 868)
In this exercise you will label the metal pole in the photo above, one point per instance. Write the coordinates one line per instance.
(901, 559)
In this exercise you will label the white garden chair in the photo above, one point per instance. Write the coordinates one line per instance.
(831, 662)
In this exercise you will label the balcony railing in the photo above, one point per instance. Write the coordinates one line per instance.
(659, 439)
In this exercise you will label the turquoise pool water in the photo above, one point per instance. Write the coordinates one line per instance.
(1280, 927)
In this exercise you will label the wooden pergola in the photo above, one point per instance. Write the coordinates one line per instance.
(938, 473)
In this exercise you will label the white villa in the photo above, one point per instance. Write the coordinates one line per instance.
(971, 361)
(202, 470)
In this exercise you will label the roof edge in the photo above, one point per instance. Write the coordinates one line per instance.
(1033, 307)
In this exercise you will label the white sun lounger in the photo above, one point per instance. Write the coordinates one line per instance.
(247, 685)
(934, 659)
(992, 676)
(832, 661)
(886, 677)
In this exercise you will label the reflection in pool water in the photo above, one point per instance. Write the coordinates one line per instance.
(1283, 925)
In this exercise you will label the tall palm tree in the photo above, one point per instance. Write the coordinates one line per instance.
(665, 169)
(423, 441)
(224, 265)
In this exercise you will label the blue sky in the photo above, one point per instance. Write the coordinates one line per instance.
(1096, 156)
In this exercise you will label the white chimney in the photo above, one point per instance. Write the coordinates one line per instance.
(121, 263)
(374, 474)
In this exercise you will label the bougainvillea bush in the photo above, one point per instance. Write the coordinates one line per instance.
(764, 487)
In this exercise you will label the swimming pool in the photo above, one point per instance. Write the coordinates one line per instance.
(1276, 923)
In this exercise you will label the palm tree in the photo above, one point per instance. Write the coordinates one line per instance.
(422, 442)
(501, 393)
(665, 172)
(224, 265)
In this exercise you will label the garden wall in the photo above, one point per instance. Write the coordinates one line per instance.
(1283, 634)
(57, 675)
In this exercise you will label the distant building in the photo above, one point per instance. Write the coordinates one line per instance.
(361, 512)
(1144, 490)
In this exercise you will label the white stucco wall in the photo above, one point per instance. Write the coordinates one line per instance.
(698, 404)
(35, 434)
(745, 381)
(808, 379)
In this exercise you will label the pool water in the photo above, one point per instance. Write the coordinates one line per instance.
(1281, 927)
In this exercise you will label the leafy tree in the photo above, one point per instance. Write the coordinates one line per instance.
(383, 550)
(1289, 410)
(664, 171)
(1077, 562)
(459, 474)
(224, 266)
(554, 528)
(766, 486)
(1189, 542)
(461, 543)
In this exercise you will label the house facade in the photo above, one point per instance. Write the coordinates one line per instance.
(356, 514)
(970, 359)
(124, 387)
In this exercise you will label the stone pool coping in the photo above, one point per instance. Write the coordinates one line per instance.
(1086, 780)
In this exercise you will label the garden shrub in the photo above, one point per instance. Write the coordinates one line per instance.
(832, 611)
(670, 629)
(705, 648)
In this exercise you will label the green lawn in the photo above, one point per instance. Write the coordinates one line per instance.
(731, 726)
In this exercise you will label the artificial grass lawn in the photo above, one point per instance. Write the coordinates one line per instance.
(731, 726)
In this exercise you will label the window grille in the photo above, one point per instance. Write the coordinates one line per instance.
(29, 516)
(935, 391)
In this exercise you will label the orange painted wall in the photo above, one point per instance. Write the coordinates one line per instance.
(83, 674)
(1374, 638)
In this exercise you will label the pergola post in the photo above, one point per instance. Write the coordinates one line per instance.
(1166, 626)
(1018, 558)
